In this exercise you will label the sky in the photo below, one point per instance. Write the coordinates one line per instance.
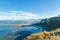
(28, 9)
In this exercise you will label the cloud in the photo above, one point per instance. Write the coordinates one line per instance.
(18, 15)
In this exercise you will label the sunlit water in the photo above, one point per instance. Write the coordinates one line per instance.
(17, 33)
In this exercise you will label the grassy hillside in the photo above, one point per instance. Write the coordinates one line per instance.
(51, 35)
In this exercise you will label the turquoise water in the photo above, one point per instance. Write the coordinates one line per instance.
(17, 33)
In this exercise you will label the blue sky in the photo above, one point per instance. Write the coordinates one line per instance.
(33, 8)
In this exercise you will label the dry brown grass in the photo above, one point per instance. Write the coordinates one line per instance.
(44, 36)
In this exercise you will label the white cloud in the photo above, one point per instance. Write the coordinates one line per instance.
(18, 15)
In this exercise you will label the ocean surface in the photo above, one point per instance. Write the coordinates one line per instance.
(17, 33)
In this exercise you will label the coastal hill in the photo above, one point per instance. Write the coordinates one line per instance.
(49, 23)
(51, 29)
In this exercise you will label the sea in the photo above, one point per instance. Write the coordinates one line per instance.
(17, 33)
